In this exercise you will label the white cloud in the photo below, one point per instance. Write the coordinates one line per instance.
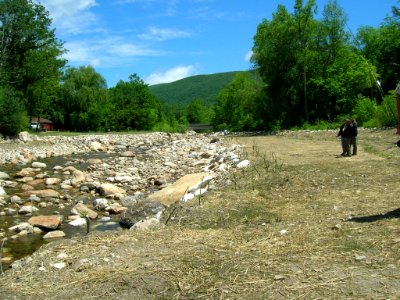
(248, 55)
(162, 34)
(171, 75)
(107, 52)
(126, 50)
(72, 16)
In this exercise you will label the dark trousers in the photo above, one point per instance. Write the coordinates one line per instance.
(353, 144)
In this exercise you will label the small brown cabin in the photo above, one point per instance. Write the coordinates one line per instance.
(42, 124)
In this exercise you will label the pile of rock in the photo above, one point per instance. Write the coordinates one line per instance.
(178, 167)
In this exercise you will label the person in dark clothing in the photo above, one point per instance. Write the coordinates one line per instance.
(345, 132)
(353, 138)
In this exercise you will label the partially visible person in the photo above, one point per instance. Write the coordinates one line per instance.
(345, 132)
(353, 137)
(397, 92)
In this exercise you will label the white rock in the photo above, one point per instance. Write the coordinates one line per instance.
(201, 185)
(21, 227)
(78, 222)
(62, 256)
(243, 164)
(187, 197)
(24, 136)
(4, 176)
(38, 165)
(96, 146)
(52, 181)
(60, 265)
(27, 209)
(2, 192)
(146, 224)
(54, 234)
(123, 178)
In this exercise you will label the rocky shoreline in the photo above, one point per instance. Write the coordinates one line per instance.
(136, 179)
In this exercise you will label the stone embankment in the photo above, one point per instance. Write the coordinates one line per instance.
(136, 179)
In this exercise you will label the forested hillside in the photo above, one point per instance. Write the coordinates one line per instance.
(184, 91)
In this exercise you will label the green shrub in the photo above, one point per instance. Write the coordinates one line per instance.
(387, 112)
(13, 116)
(365, 111)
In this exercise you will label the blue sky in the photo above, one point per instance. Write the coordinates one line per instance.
(166, 40)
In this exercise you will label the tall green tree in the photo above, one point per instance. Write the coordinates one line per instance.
(309, 66)
(30, 53)
(135, 106)
(83, 102)
(381, 46)
(304, 18)
(275, 58)
(238, 106)
(13, 117)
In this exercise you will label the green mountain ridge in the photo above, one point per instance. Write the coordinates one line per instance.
(204, 87)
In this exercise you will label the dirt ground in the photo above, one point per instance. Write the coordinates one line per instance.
(301, 222)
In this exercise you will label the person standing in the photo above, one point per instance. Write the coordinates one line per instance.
(353, 137)
(345, 132)
(397, 92)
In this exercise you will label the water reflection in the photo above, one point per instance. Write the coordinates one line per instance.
(17, 248)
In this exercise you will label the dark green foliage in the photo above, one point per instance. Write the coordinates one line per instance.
(387, 112)
(365, 110)
(198, 112)
(83, 101)
(184, 91)
(13, 118)
(239, 105)
(382, 47)
(135, 106)
(30, 56)
(309, 66)
(30, 52)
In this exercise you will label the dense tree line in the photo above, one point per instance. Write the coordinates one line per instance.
(315, 71)
(306, 71)
(35, 82)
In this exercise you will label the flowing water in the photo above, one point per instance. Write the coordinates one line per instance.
(14, 249)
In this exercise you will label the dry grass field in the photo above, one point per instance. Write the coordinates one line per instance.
(301, 222)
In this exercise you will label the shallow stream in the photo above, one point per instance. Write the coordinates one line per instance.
(17, 248)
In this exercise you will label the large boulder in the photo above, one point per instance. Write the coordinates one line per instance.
(25, 172)
(108, 189)
(54, 235)
(96, 146)
(77, 177)
(46, 222)
(82, 210)
(27, 209)
(24, 136)
(47, 193)
(176, 192)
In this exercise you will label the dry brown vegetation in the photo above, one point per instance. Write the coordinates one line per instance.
(300, 223)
